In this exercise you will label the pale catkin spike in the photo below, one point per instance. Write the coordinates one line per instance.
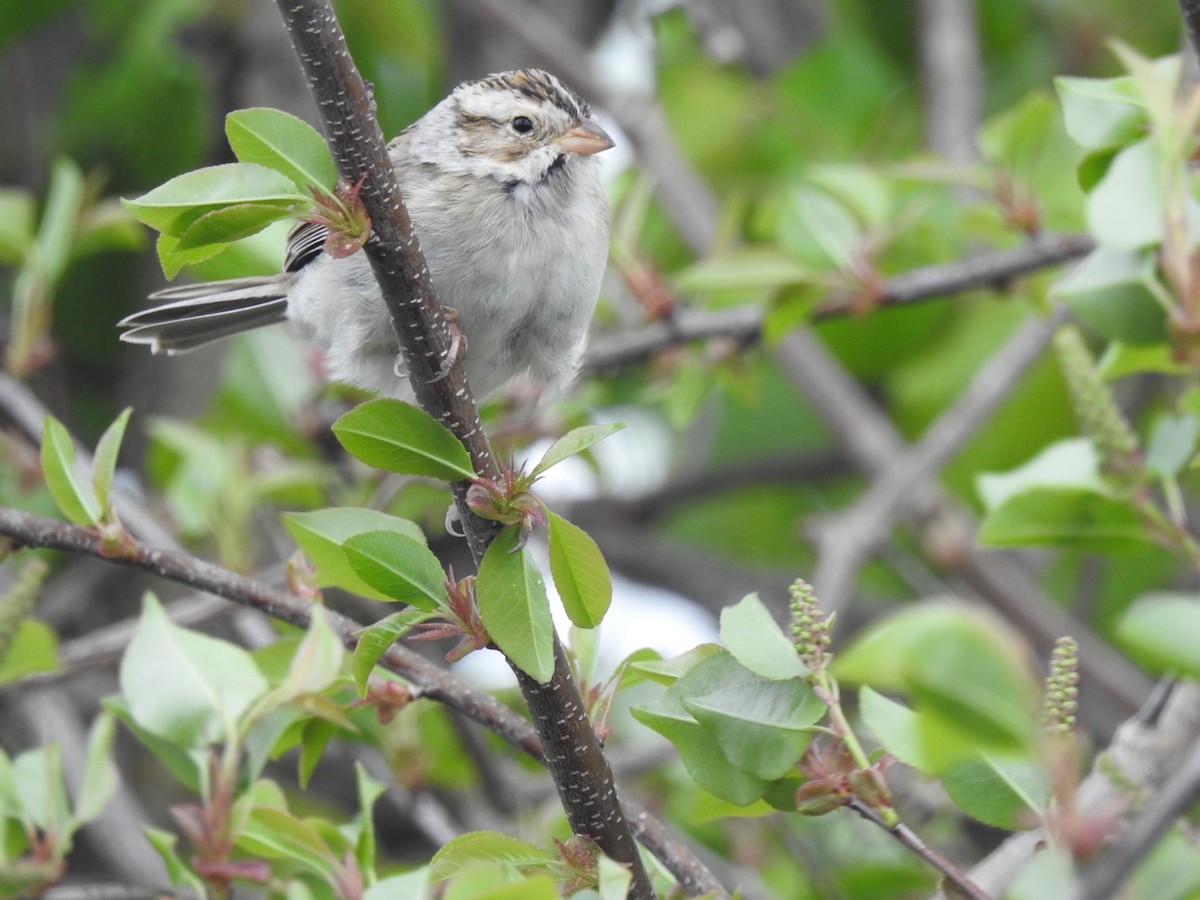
(18, 603)
(1097, 412)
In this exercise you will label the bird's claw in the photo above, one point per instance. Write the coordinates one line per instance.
(458, 346)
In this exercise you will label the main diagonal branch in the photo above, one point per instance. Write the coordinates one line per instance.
(581, 773)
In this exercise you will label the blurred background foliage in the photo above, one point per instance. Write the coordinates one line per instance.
(815, 147)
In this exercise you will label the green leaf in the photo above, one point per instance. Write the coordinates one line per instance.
(317, 663)
(99, 774)
(376, 638)
(178, 872)
(762, 726)
(1110, 292)
(183, 686)
(1172, 444)
(280, 141)
(60, 218)
(369, 790)
(1126, 208)
(184, 764)
(34, 648)
(322, 533)
(74, 496)
(749, 268)
(1052, 873)
(613, 879)
(479, 847)
(1066, 517)
(172, 206)
(314, 738)
(1101, 112)
(751, 635)
(702, 756)
(514, 607)
(397, 566)
(410, 884)
(574, 442)
(1070, 463)
(1121, 359)
(174, 259)
(579, 573)
(399, 437)
(896, 727)
(1162, 631)
(1006, 791)
(230, 223)
(17, 217)
(104, 463)
(957, 665)
(278, 834)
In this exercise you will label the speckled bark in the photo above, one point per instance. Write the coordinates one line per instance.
(581, 774)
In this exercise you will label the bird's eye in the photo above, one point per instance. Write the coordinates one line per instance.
(522, 124)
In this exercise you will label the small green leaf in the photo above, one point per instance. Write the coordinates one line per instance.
(99, 774)
(579, 573)
(172, 206)
(178, 872)
(1067, 517)
(317, 663)
(574, 442)
(369, 790)
(750, 268)
(1172, 444)
(17, 216)
(74, 496)
(104, 463)
(33, 648)
(376, 638)
(1110, 292)
(750, 633)
(280, 141)
(278, 834)
(478, 847)
(397, 566)
(174, 259)
(322, 533)
(230, 223)
(514, 607)
(399, 437)
(701, 755)
(895, 726)
(1162, 631)
(614, 879)
(1126, 208)
(762, 726)
(1100, 112)
(184, 686)
(1070, 463)
(1007, 791)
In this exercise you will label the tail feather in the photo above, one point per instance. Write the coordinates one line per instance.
(198, 314)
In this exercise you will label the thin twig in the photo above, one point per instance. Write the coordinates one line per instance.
(743, 324)
(909, 839)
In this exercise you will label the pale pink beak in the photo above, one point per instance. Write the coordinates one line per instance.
(585, 139)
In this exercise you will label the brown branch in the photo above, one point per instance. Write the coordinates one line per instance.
(28, 530)
(909, 839)
(1190, 10)
(743, 324)
(584, 779)
(951, 77)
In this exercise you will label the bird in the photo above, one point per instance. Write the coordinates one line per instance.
(504, 191)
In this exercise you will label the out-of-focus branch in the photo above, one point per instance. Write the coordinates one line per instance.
(744, 323)
(846, 540)
(1190, 9)
(951, 77)
(1143, 755)
(27, 530)
(870, 438)
(1104, 877)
